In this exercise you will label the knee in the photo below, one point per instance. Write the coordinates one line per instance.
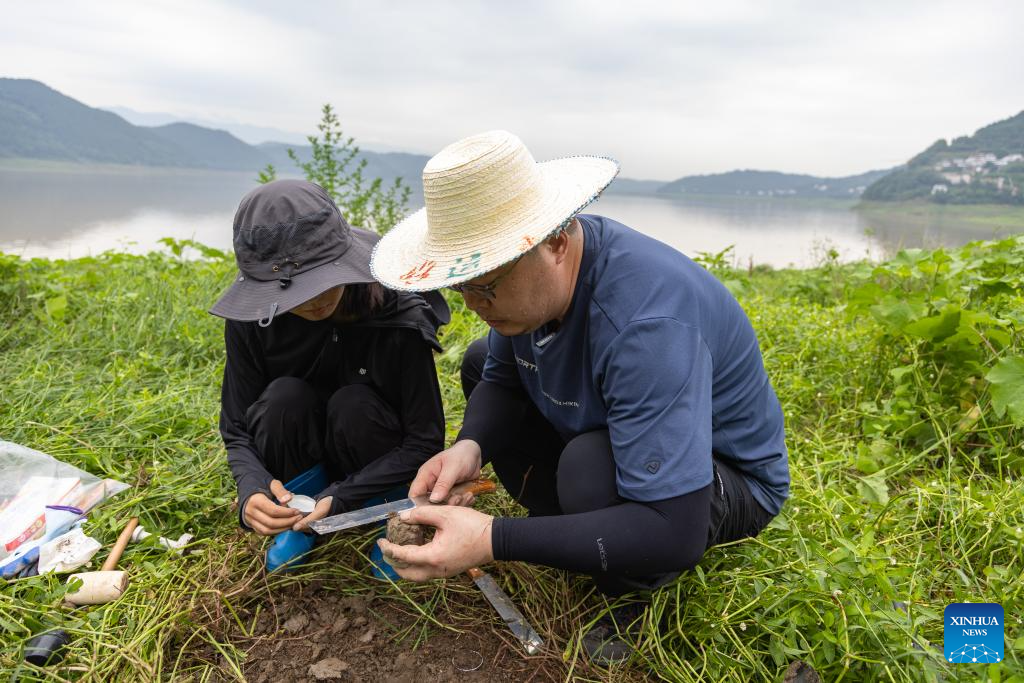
(473, 365)
(586, 474)
(283, 396)
(351, 403)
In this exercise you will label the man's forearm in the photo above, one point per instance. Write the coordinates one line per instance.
(630, 539)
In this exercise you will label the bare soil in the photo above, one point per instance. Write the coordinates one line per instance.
(315, 633)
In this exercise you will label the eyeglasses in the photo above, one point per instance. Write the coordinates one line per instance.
(487, 290)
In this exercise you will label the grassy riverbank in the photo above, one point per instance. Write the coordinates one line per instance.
(985, 219)
(903, 387)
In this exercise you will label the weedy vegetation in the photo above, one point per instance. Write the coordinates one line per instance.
(903, 388)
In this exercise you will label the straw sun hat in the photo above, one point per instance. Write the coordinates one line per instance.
(487, 202)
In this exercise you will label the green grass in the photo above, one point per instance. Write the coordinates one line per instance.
(985, 220)
(906, 464)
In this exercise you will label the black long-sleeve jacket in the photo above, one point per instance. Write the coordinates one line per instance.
(391, 351)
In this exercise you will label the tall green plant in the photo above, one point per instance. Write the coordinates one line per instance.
(950, 338)
(337, 167)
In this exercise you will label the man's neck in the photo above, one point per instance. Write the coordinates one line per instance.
(573, 262)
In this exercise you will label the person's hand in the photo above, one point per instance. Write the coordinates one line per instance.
(438, 475)
(462, 540)
(322, 509)
(267, 517)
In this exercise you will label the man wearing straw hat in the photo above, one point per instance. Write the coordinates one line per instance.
(620, 394)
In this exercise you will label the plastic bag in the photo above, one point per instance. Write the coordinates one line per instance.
(29, 482)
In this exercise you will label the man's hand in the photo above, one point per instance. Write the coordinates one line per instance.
(453, 466)
(322, 509)
(266, 517)
(462, 540)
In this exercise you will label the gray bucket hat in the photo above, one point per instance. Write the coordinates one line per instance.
(291, 244)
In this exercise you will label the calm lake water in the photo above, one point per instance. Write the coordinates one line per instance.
(75, 212)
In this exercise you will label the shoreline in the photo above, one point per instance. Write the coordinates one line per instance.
(20, 164)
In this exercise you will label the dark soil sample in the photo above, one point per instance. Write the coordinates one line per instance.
(402, 533)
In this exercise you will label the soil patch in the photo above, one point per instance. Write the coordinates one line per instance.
(318, 634)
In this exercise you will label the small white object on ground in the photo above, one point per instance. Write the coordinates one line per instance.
(140, 533)
(471, 663)
(67, 552)
(303, 504)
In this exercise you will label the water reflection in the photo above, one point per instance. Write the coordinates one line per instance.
(86, 210)
(775, 232)
(71, 213)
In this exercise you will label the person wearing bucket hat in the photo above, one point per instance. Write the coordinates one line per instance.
(329, 379)
(620, 394)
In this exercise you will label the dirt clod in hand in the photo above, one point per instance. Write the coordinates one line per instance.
(402, 533)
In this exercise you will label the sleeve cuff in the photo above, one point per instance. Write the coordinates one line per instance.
(337, 504)
(499, 538)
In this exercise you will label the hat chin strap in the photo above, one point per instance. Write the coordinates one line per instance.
(265, 322)
(286, 278)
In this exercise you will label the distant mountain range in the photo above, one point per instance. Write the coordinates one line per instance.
(37, 122)
(772, 184)
(253, 135)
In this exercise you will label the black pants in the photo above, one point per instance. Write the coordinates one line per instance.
(549, 476)
(294, 429)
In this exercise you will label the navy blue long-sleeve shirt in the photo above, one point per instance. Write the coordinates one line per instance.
(658, 352)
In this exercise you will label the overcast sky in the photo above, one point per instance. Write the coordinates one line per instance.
(669, 88)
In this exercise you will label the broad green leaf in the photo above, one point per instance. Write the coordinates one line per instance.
(865, 294)
(874, 489)
(898, 373)
(1007, 380)
(57, 306)
(935, 327)
(909, 257)
(897, 314)
(871, 458)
